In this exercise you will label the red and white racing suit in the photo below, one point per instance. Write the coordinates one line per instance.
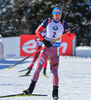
(53, 30)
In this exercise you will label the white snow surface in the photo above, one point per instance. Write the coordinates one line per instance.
(83, 48)
(74, 79)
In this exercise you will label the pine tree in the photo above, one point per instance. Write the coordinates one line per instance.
(79, 15)
(23, 16)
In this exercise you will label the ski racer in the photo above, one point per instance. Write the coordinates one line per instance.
(55, 28)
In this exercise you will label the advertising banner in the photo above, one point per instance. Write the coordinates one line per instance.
(28, 45)
(66, 46)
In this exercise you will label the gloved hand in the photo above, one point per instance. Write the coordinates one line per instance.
(73, 30)
(47, 43)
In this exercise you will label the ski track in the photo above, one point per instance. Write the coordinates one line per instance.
(74, 79)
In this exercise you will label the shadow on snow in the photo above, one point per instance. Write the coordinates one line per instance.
(7, 63)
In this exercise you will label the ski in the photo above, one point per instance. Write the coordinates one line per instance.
(24, 75)
(30, 75)
(23, 70)
(21, 94)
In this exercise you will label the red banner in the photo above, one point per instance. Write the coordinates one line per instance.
(28, 45)
(66, 46)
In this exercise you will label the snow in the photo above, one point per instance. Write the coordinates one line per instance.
(83, 48)
(74, 79)
(83, 51)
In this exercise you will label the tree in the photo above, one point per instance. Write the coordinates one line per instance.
(79, 13)
(7, 18)
(23, 16)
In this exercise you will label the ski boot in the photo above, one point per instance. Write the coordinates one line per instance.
(31, 88)
(44, 72)
(29, 70)
(55, 93)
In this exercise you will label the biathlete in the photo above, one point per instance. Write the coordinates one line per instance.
(55, 27)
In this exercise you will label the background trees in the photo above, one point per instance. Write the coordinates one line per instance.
(23, 16)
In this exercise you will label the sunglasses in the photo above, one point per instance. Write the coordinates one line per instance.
(57, 11)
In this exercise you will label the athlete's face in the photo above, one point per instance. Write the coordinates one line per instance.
(57, 17)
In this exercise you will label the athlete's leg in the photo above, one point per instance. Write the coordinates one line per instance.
(55, 62)
(33, 61)
(42, 59)
(45, 67)
(35, 57)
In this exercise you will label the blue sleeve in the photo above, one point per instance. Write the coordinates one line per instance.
(66, 27)
(45, 22)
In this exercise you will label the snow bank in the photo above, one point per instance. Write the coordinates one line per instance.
(83, 51)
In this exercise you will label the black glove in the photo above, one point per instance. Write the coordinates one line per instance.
(73, 30)
(47, 43)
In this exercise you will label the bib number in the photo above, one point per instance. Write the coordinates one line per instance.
(54, 35)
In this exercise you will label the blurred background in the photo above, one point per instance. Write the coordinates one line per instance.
(23, 17)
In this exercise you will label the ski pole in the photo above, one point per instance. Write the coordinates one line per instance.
(36, 52)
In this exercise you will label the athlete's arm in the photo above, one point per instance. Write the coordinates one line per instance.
(38, 32)
(66, 27)
(40, 28)
(68, 32)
